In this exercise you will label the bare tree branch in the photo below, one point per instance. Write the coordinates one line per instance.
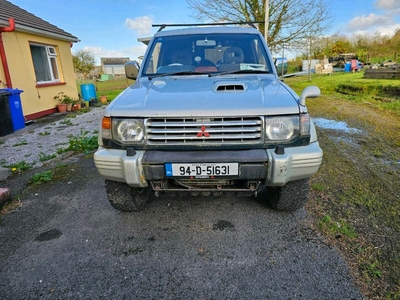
(290, 21)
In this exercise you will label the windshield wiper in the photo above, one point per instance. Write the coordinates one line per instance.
(172, 74)
(243, 72)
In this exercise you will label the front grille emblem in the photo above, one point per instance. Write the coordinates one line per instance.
(203, 132)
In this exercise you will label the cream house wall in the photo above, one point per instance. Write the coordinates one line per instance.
(36, 99)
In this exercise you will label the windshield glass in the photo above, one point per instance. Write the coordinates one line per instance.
(206, 54)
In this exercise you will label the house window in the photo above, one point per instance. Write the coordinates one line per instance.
(45, 63)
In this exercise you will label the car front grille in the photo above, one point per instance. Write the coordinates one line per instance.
(204, 131)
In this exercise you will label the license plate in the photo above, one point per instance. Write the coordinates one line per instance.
(202, 170)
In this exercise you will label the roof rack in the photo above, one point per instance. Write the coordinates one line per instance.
(251, 23)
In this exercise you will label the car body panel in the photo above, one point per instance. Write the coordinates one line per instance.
(201, 106)
(197, 96)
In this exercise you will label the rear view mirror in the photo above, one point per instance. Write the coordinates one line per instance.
(132, 69)
(205, 43)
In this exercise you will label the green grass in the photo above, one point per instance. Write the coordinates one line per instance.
(44, 133)
(383, 93)
(22, 143)
(67, 122)
(318, 187)
(3, 162)
(83, 110)
(109, 88)
(71, 116)
(337, 228)
(45, 157)
(354, 195)
(42, 177)
(20, 166)
(83, 143)
(61, 166)
(372, 270)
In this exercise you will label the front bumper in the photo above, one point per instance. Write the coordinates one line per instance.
(257, 164)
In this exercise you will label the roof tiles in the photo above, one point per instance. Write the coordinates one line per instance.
(28, 22)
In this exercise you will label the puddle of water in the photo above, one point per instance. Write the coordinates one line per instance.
(335, 125)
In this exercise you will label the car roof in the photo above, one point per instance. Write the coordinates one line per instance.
(207, 30)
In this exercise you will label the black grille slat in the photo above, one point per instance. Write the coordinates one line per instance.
(196, 130)
(188, 131)
(213, 137)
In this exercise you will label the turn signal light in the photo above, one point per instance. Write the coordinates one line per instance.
(106, 123)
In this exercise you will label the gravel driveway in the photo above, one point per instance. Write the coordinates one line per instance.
(66, 242)
(47, 135)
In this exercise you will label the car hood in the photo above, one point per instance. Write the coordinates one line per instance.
(205, 96)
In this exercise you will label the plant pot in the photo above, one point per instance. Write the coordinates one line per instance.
(62, 108)
(69, 107)
(103, 99)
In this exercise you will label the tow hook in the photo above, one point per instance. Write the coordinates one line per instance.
(157, 187)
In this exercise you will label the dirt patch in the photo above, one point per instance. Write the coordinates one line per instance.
(355, 195)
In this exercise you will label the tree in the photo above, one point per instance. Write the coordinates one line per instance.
(83, 61)
(395, 44)
(338, 48)
(291, 22)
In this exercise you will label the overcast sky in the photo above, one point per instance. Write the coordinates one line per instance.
(111, 28)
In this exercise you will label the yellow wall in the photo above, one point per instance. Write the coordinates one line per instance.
(36, 99)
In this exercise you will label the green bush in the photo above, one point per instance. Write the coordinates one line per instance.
(350, 89)
(390, 91)
(82, 143)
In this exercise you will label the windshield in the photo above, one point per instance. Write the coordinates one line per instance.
(211, 53)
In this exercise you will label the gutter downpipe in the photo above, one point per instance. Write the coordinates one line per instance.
(3, 52)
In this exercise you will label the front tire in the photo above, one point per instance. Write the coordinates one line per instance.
(290, 197)
(125, 198)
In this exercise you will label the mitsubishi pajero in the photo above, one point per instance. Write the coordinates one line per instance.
(208, 114)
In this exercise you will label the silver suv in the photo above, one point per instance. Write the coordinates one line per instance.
(207, 114)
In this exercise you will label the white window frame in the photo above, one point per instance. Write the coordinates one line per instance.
(45, 63)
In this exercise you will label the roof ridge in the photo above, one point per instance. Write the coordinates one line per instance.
(27, 21)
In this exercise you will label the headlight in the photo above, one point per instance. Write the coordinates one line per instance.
(286, 128)
(128, 130)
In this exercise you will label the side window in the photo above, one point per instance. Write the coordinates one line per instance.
(44, 59)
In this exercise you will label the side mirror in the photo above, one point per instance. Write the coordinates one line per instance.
(132, 69)
(311, 91)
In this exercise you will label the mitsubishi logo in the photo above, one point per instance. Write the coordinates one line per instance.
(203, 132)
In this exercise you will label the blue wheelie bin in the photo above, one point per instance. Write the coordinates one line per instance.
(17, 115)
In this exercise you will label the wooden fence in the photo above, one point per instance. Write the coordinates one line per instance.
(382, 73)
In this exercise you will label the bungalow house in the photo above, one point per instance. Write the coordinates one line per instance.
(35, 56)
